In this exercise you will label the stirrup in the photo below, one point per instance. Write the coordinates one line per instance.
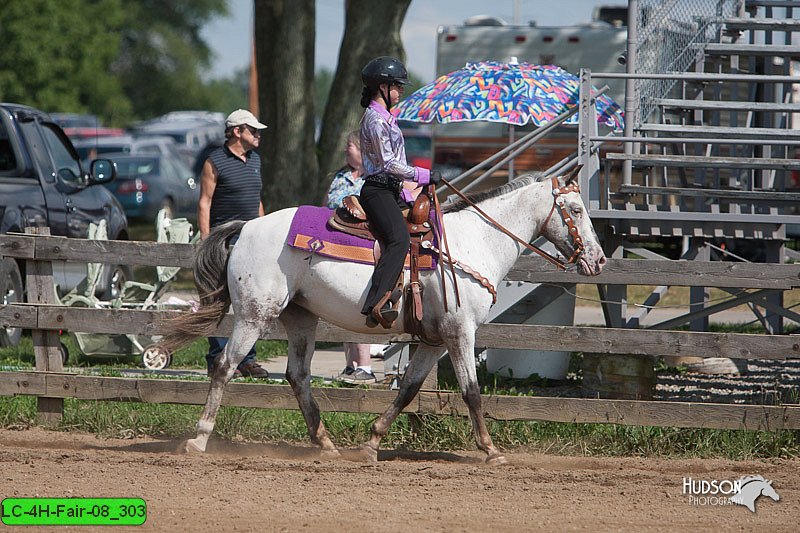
(386, 310)
(385, 316)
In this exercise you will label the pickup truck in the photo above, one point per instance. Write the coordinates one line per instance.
(42, 184)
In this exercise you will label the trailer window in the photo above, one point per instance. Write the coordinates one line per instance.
(616, 16)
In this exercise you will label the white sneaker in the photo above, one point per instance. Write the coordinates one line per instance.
(359, 377)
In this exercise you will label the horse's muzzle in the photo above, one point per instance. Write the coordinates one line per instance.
(591, 261)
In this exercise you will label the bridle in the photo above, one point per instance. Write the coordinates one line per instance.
(560, 203)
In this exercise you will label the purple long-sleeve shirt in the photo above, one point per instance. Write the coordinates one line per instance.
(383, 148)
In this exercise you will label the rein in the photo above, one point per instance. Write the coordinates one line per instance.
(557, 202)
(440, 223)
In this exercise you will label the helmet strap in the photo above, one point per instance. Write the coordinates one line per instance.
(386, 97)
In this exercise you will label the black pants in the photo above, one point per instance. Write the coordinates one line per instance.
(383, 208)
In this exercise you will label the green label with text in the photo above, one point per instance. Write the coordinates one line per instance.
(74, 511)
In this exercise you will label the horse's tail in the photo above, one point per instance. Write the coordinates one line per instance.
(211, 280)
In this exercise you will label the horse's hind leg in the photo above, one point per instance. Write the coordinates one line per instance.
(243, 337)
(463, 357)
(418, 369)
(301, 327)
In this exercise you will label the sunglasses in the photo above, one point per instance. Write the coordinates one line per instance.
(255, 132)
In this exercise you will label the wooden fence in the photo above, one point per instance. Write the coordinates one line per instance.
(52, 385)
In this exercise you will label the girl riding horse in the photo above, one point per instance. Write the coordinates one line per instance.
(382, 195)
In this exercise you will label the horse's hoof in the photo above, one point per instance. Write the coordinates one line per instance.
(191, 446)
(369, 453)
(497, 460)
(330, 454)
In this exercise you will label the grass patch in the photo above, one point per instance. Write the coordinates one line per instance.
(422, 433)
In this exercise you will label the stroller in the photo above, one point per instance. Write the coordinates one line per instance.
(134, 295)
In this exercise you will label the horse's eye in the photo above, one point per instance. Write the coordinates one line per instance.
(576, 211)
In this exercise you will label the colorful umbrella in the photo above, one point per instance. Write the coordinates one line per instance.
(512, 93)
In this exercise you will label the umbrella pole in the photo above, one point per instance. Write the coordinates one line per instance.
(510, 161)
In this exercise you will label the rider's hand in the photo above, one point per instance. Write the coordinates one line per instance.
(436, 177)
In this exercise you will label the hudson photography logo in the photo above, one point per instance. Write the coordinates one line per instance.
(744, 491)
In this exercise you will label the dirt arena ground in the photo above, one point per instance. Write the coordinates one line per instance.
(285, 487)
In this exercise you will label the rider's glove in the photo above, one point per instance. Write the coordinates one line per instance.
(436, 177)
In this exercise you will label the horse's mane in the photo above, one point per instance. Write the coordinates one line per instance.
(748, 479)
(477, 197)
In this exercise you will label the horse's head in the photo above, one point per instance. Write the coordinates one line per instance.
(769, 491)
(570, 229)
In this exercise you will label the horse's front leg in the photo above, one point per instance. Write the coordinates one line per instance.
(301, 327)
(418, 369)
(243, 337)
(462, 355)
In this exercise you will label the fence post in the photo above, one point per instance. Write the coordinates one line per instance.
(46, 344)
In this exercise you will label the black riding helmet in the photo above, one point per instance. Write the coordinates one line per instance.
(384, 69)
(379, 71)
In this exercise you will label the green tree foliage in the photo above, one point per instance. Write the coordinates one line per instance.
(162, 54)
(227, 94)
(55, 55)
(120, 59)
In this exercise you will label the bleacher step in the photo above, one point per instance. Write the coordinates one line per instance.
(761, 24)
(730, 106)
(779, 50)
(753, 4)
(719, 194)
(696, 161)
(722, 131)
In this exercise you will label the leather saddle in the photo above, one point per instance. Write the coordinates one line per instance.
(351, 218)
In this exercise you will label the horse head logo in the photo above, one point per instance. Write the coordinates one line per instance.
(751, 488)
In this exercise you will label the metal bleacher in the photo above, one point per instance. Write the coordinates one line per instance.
(710, 163)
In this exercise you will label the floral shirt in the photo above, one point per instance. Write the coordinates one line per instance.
(343, 184)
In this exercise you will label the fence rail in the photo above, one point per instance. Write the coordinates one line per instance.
(527, 268)
(510, 336)
(51, 387)
(372, 401)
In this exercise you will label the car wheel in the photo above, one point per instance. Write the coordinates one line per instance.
(156, 357)
(11, 291)
(115, 281)
(64, 354)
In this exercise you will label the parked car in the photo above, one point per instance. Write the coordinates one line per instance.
(43, 184)
(147, 183)
(129, 144)
(191, 129)
(79, 127)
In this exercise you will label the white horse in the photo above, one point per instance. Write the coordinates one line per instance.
(268, 281)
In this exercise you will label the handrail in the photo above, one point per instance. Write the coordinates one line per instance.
(699, 140)
(690, 76)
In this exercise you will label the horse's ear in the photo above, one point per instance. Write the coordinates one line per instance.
(573, 175)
